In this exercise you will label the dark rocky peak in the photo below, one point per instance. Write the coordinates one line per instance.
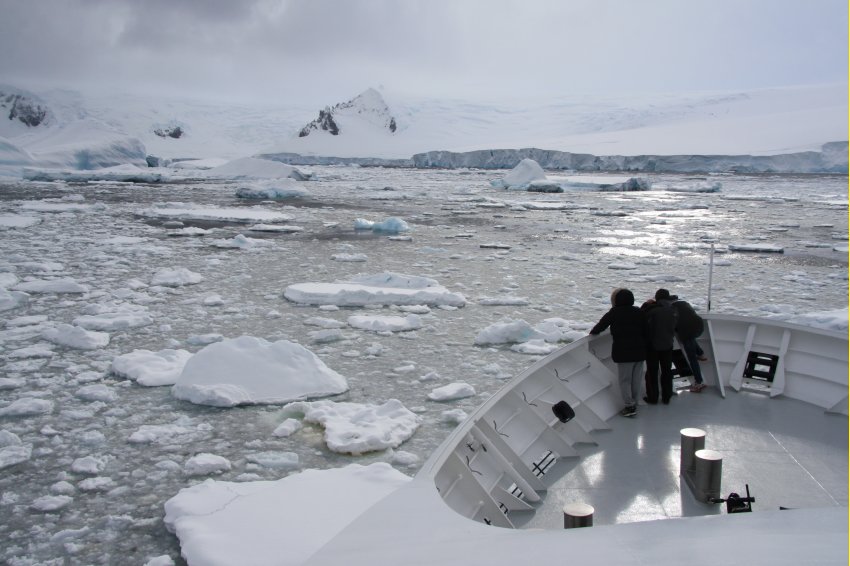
(24, 108)
(368, 105)
(325, 122)
(175, 132)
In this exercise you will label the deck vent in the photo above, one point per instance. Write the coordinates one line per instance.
(563, 411)
(761, 366)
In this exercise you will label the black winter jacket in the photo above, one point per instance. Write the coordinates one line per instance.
(689, 323)
(661, 322)
(628, 328)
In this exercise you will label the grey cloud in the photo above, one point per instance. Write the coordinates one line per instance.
(281, 47)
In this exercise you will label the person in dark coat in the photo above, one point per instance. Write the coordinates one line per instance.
(628, 330)
(689, 326)
(661, 324)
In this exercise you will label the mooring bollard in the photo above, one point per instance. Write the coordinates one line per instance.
(578, 515)
(691, 440)
(709, 469)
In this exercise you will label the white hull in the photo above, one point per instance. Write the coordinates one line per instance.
(494, 470)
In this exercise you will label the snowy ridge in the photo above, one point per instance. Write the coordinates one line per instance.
(780, 129)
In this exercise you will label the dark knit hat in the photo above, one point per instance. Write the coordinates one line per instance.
(662, 294)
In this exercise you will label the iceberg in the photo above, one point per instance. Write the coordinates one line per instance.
(249, 370)
(272, 190)
(521, 176)
(209, 518)
(391, 225)
(355, 428)
(151, 368)
(254, 168)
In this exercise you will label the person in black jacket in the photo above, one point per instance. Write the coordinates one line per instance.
(628, 330)
(661, 321)
(689, 326)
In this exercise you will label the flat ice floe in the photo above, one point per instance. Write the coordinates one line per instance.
(355, 428)
(17, 221)
(378, 323)
(51, 503)
(216, 521)
(532, 338)
(111, 317)
(763, 248)
(830, 320)
(275, 460)
(278, 228)
(65, 285)
(350, 257)
(96, 392)
(242, 242)
(507, 300)
(12, 299)
(27, 407)
(249, 370)
(189, 231)
(603, 183)
(28, 352)
(452, 392)
(76, 337)
(380, 289)
(12, 450)
(696, 187)
(507, 332)
(151, 368)
(182, 431)
(205, 464)
(176, 277)
(184, 211)
(287, 428)
(57, 206)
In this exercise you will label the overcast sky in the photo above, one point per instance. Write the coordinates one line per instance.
(301, 50)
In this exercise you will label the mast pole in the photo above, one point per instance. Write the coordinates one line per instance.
(710, 275)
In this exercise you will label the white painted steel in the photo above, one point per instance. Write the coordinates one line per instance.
(812, 368)
(418, 524)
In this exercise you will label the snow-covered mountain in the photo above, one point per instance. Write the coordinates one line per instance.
(365, 111)
(22, 109)
(99, 129)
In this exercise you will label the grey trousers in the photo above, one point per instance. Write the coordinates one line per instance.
(630, 375)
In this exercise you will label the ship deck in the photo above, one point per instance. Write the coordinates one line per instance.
(791, 454)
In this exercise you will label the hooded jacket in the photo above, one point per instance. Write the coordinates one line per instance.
(661, 320)
(689, 323)
(628, 328)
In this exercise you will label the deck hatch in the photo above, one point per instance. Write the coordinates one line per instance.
(761, 366)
